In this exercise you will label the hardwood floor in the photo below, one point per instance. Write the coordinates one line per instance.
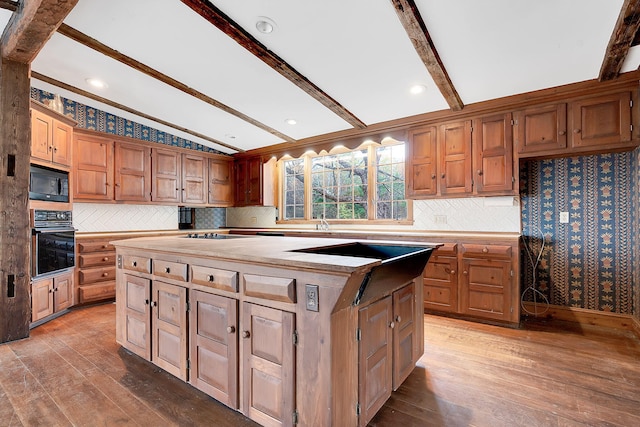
(71, 372)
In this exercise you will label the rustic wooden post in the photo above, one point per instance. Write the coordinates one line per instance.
(15, 143)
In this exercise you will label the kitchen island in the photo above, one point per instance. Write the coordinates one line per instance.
(283, 329)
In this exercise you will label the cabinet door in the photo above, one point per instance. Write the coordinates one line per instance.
(421, 162)
(62, 138)
(441, 284)
(166, 175)
(454, 144)
(136, 317)
(493, 154)
(62, 292)
(601, 121)
(169, 325)
(93, 160)
(41, 299)
(541, 129)
(404, 334)
(41, 133)
(194, 179)
(268, 366)
(486, 288)
(240, 182)
(132, 172)
(213, 324)
(376, 352)
(254, 179)
(220, 186)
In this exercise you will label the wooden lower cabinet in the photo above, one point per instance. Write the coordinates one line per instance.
(51, 295)
(474, 280)
(213, 335)
(135, 293)
(268, 364)
(388, 348)
(96, 270)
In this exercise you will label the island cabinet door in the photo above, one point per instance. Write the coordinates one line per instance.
(268, 366)
(137, 318)
(213, 339)
(169, 324)
(404, 334)
(376, 353)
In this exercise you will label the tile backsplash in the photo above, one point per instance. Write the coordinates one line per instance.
(97, 217)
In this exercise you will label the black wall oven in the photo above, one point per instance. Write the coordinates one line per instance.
(53, 242)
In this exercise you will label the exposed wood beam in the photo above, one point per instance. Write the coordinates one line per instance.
(90, 95)
(621, 39)
(225, 24)
(417, 31)
(31, 25)
(9, 5)
(94, 44)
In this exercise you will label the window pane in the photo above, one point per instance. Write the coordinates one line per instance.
(294, 189)
(390, 191)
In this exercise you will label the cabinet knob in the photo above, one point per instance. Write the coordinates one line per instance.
(562, 132)
(465, 272)
(55, 149)
(398, 319)
(485, 250)
(146, 302)
(134, 263)
(50, 290)
(442, 176)
(105, 274)
(576, 131)
(49, 149)
(246, 334)
(55, 289)
(479, 173)
(154, 303)
(392, 324)
(167, 270)
(211, 278)
(433, 176)
(231, 329)
(452, 272)
(105, 259)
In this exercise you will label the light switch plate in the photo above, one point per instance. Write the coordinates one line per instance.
(564, 217)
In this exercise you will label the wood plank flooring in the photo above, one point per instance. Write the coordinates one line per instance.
(71, 372)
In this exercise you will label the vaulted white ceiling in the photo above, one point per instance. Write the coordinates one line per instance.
(355, 51)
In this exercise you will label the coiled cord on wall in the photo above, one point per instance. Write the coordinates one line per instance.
(534, 280)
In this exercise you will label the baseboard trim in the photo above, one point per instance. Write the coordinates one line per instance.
(584, 317)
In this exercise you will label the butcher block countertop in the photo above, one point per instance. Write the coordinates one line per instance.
(268, 250)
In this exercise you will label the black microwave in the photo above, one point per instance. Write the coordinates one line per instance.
(48, 184)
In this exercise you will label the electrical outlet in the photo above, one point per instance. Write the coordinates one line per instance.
(440, 219)
(312, 297)
(254, 220)
(564, 217)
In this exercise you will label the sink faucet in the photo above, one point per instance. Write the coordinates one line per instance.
(324, 225)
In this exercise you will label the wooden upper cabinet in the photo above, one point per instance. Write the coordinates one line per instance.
(454, 144)
(493, 154)
(421, 162)
(601, 120)
(540, 129)
(249, 182)
(93, 166)
(220, 182)
(166, 175)
(194, 179)
(132, 172)
(51, 139)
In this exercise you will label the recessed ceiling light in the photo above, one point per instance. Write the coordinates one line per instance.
(97, 83)
(290, 121)
(417, 89)
(265, 25)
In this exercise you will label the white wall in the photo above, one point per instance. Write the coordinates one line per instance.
(489, 214)
(97, 217)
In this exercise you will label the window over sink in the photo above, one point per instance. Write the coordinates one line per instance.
(364, 184)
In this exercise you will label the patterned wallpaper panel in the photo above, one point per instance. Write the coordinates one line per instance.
(208, 218)
(98, 217)
(635, 197)
(93, 119)
(587, 263)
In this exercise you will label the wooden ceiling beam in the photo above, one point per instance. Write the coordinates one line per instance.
(94, 44)
(417, 31)
(623, 35)
(30, 26)
(106, 101)
(9, 5)
(225, 24)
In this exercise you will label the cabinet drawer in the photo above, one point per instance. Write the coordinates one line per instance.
(170, 270)
(136, 263)
(85, 247)
(96, 260)
(273, 288)
(486, 251)
(96, 275)
(97, 292)
(220, 279)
